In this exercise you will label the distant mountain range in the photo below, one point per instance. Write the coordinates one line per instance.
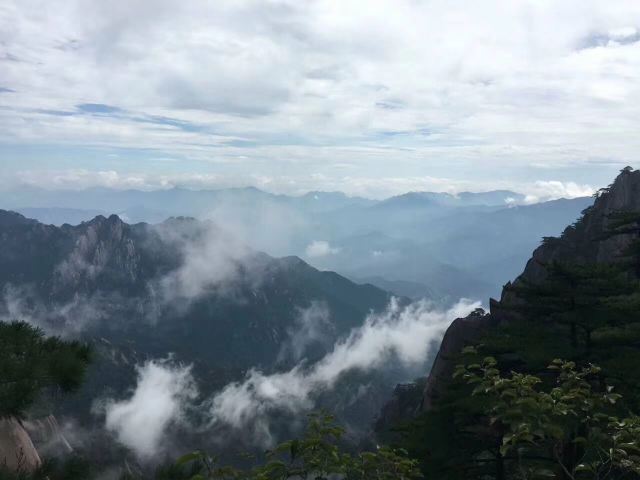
(464, 245)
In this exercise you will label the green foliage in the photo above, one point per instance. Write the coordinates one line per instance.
(317, 455)
(30, 363)
(566, 430)
(627, 223)
(577, 295)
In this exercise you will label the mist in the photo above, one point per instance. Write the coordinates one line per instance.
(405, 334)
(65, 319)
(312, 326)
(166, 392)
(160, 400)
(213, 261)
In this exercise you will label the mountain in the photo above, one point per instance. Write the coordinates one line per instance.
(575, 300)
(184, 287)
(59, 216)
(416, 200)
(456, 252)
(464, 245)
(583, 242)
(402, 288)
(173, 201)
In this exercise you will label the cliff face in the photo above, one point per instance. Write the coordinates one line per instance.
(582, 242)
(17, 451)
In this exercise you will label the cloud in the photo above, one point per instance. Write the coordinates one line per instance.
(67, 319)
(553, 190)
(368, 187)
(312, 326)
(320, 248)
(160, 400)
(211, 262)
(298, 87)
(404, 335)
(166, 392)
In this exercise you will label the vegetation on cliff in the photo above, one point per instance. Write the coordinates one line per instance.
(576, 300)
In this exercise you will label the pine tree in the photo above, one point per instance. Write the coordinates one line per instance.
(575, 295)
(31, 363)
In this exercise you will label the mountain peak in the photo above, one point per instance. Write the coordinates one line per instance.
(623, 193)
(9, 218)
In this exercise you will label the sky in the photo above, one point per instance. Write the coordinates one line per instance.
(372, 97)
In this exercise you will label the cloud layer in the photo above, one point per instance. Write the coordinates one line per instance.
(404, 335)
(166, 391)
(321, 92)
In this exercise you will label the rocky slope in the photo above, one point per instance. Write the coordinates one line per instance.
(582, 242)
(17, 451)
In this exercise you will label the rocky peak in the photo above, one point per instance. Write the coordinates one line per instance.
(11, 219)
(585, 241)
(100, 245)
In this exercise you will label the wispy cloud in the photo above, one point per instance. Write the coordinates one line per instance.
(304, 91)
(369, 187)
(320, 248)
(165, 391)
(404, 335)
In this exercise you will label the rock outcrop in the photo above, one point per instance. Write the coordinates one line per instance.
(17, 451)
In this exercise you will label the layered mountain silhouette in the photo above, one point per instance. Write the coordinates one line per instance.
(464, 245)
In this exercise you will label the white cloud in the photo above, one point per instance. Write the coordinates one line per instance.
(552, 190)
(165, 391)
(213, 261)
(299, 87)
(369, 187)
(312, 326)
(404, 335)
(161, 397)
(66, 319)
(320, 248)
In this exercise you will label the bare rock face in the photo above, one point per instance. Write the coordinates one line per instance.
(17, 451)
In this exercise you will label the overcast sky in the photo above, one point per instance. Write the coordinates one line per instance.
(368, 97)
